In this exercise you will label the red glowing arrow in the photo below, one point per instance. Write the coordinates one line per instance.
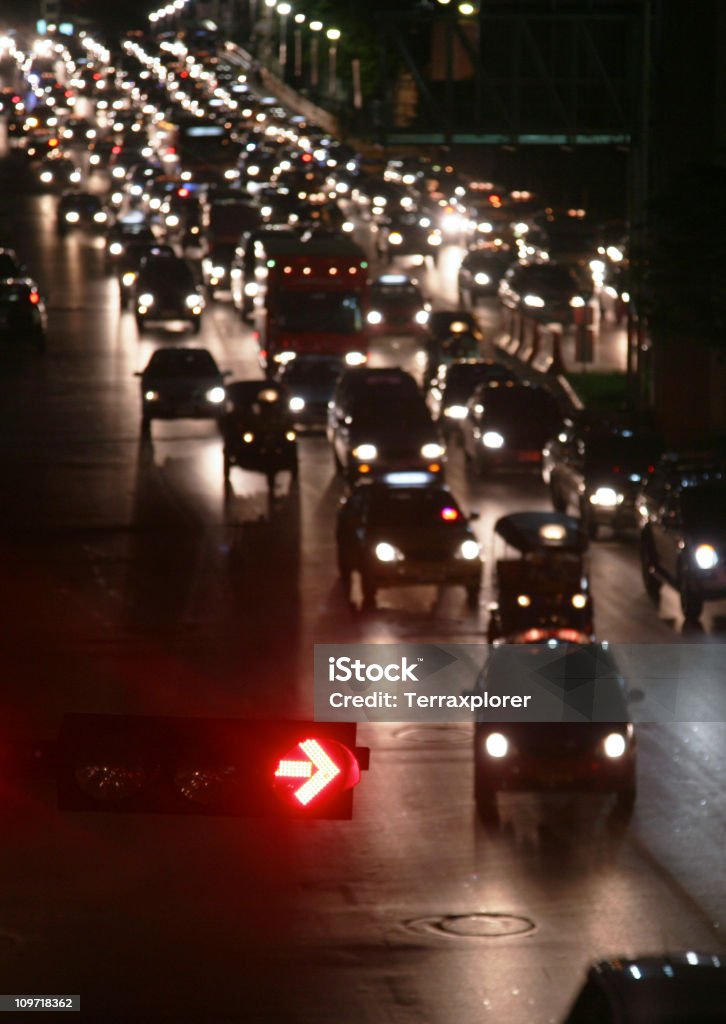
(326, 771)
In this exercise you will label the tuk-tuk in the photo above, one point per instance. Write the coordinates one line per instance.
(545, 591)
(258, 429)
(462, 342)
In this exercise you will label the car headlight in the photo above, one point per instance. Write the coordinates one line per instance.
(607, 497)
(456, 412)
(193, 301)
(524, 600)
(216, 395)
(100, 217)
(577, 302)
(492, 439)
(115, 248)
(706, 556)
(534, 301)
(118, 172)
(422, 316)
(433, 450)
(231, 174)
(251, 288)
(72, 217)
(469, 550)
(94, 159)
(496, 745)
(482, 278)
(434, 238)
(386, 552)
(46, 177)
(128, 278)
(172, 221)
(614, 745)
(579, 600)
(379, 201)
(151, 396)
(395, 238)
(348, 227)
(146, 299)
(117, 198)
(355, 358)
(365, 452)
(218, 271)
(296, 404)
(375, 317)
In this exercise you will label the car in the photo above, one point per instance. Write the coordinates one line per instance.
(682, 519)
(181, 383)
(481, 271)
(22, 311)
(242, 271)
(378, 422)
(554, 756)
(216, 266)
(688, 987)
(397, 306)
(165, 291)
(408, 234)
(129, 261)
(406, 529)
(134, 230)
(596, 467)
(546, 291)
(80, 210)
(310, 380)
(454, 384)
(508, 424)
(58, 171)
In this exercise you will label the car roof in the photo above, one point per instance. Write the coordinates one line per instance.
(180, 356)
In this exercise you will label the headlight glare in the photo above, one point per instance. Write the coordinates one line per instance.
(365, 452)
(614, 745)
(496, 745)
(492, 439)
(706, 556)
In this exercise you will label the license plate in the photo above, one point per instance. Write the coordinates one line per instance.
(529, 456)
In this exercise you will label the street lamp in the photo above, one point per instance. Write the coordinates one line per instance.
(284, 10)
(315, 28)
(333, 35)
(297, 43)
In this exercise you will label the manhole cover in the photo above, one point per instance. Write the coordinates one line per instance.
(435, 734)
(473, 926)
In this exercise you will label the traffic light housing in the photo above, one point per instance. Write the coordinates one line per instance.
(250, 768)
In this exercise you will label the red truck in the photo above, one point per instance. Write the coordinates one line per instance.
(311, 297)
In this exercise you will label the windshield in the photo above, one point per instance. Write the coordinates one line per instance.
(329, 312)
(705, 507)
(182, 364)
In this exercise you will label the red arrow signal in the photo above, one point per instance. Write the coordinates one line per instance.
(318, 769)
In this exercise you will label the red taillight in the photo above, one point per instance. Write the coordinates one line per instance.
(116, 150)
(182, 192)
(171, 150)
(34, 298)
(449, 515)
(616, 469)
(307, 158)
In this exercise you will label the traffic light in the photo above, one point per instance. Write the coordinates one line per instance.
(208, 766)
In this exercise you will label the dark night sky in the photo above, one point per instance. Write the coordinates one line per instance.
(112, 14)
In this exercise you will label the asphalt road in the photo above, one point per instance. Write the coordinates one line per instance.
(128, 583)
